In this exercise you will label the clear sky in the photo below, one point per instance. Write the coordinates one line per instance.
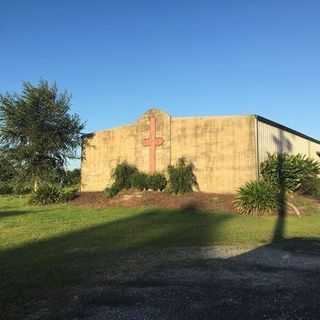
(119, 58)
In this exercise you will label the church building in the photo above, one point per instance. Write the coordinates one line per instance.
(225, 150)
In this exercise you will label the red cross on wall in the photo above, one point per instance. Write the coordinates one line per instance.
(152, 142)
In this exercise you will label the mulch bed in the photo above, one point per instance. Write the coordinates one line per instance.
(130, 199)
(193, 201)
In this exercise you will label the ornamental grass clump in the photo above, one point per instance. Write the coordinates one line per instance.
(288, 171)
(46, 194)
(51, 193)
(181, 177)
(256, 198)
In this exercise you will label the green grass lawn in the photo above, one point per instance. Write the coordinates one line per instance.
(43, 248)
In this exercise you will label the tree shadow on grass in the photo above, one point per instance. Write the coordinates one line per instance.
(64, 261)
(11, 213)
(50, 269)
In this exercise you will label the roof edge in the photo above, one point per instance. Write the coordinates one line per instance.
(282, 127)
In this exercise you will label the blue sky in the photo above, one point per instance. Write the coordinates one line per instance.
(119, 58)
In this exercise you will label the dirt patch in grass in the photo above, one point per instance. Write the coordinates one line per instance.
(191, 201)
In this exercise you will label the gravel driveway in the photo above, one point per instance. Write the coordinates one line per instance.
(278, 281)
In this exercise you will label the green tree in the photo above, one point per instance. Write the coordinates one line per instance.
(72, 177)
(7, 174)
(38, 132)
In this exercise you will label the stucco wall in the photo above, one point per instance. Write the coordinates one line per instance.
(103, 150)
(101, 153)
(223, 150)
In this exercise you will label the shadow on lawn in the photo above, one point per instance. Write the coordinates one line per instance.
(283, 146)
(48, 270)
(4, 213)
(72, 259)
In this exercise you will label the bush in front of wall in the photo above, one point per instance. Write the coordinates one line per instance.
(112, 191)
(139, 180)
(256, 198)
(289, 171)
(156, 182)
(181, 177)
(122, 175)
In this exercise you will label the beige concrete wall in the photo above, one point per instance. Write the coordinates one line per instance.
(101, 153)
(223, 150)
(103, 150)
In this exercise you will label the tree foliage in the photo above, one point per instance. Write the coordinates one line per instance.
(71, 177)
(38, 132)
(7, 174)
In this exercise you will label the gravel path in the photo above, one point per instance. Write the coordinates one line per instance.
(223, 282)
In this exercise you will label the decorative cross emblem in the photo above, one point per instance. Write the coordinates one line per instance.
(152, 142)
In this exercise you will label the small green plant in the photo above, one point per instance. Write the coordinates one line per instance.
(68, 194)
(181, 177)
(139, 180)
(256, 198)
(122, 175)
(50, 193)
(156, 182)
(47, 194)
(112, 191)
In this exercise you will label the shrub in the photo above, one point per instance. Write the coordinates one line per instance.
(290, 171)
(47, 194)
(256, 197)
(71, 177)
(20, 187)
(181, 177)
(68, 194)
(140, 181)
(7, 173)
(156, 182)
(311, 187)
(5, 188)
(122, 175)
(112, 191)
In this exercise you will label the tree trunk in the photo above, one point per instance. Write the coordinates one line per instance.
(35, 184)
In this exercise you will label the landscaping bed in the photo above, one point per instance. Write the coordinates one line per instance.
(190, 201)
(130, 198)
